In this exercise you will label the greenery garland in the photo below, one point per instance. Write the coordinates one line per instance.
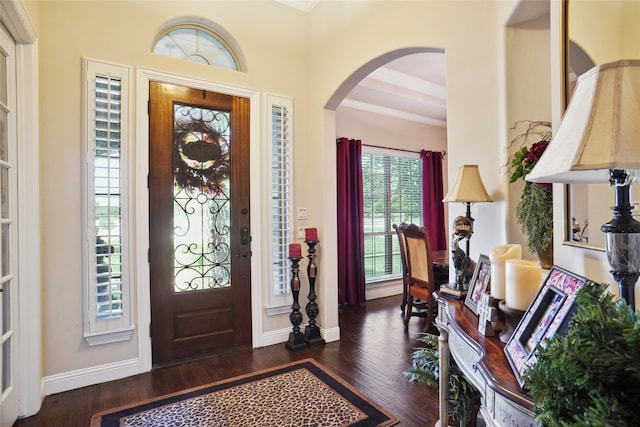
(534, 211)
(591, 375)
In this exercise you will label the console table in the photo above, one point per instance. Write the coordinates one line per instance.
(504, 404)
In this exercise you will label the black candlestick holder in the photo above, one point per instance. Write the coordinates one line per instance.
(312, 331)
(296, 338)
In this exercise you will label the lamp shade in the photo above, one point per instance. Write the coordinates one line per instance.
(600, 129)
(468, 187)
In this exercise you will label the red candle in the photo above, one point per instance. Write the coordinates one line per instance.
(310, 234)
(295, 250)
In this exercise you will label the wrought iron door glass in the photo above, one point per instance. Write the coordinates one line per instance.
(201, 188)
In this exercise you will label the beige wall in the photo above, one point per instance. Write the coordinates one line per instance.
(306, 56)
(528, 99)
(272, 40)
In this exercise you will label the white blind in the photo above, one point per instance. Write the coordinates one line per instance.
(107, 197)
(281, 196)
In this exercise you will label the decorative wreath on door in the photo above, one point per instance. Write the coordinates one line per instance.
(200, 157)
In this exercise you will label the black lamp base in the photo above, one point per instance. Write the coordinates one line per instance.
(627, 286)
(622, 237)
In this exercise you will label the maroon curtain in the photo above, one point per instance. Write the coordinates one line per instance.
(351, 280)
(432, 195)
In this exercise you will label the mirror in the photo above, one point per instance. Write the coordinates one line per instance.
(597, 33)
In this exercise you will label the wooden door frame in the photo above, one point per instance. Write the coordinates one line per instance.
(143, 295)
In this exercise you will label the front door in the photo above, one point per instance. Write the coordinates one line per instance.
(200, 251)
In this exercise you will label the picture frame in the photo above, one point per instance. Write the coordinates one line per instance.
(479, 284)
(548, 315)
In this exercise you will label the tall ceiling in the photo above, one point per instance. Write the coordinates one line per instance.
(411, 87)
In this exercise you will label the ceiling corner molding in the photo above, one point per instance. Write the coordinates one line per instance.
(303, 5)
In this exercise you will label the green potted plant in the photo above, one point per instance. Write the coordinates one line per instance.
(534, 211)
(463, 398)
(590, 376)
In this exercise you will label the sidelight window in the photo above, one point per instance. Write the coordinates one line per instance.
(280, 136)
(106, 141)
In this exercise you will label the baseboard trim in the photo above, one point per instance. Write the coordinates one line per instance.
(331, 334)
(275, 337)
(114, 371)
(84, 377)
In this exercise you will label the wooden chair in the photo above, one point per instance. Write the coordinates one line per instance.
(420, 276)
(403, 257)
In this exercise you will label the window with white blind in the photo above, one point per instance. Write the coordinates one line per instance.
(106, 120)
(280, 142)
(392, 190)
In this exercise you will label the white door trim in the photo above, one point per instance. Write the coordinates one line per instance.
(143, 302)
(17, 22)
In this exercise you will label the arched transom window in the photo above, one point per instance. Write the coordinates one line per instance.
(197, 44)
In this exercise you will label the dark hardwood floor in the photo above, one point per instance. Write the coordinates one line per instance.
(372, 354)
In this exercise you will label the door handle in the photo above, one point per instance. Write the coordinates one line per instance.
(245, 236)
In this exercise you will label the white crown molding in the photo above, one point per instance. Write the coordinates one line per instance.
(397, 78)
(363, 106)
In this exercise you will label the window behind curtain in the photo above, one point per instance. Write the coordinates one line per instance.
(392, 193)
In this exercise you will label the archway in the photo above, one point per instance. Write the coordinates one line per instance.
(401, 132)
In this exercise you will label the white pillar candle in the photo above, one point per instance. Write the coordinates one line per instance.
(498, 256)
(523, 279)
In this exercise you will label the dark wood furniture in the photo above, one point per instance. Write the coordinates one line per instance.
(440, 261)
(403, 258)
(420, 277)
(484, 363)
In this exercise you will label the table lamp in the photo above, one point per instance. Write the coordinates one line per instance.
(598, 141)
(468, 189)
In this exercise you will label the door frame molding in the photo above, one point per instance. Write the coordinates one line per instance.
(141, 236)
(15, 18)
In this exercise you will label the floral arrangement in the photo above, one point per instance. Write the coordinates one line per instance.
(525, 159)
(534, 211)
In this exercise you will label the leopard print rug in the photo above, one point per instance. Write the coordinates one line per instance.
(301, 394)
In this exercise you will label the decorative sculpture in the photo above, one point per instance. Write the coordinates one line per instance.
(463, 265)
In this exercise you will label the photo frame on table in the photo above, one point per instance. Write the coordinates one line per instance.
(547, 315)
(479, 284)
